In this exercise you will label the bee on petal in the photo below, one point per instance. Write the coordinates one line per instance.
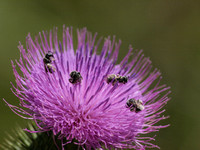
(111, 78)
(122, 79)
(135, 105)
(116, 78)
(75, 77)
(48, 62)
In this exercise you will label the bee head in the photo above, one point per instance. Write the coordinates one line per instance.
(49, 55)
(75, 74)
(130, 102)
(125, 79)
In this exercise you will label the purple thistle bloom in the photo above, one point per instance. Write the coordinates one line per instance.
(85, 107)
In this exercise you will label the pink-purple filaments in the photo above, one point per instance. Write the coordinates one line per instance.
(71, 97)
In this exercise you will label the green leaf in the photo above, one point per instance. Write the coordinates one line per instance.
(23, 140)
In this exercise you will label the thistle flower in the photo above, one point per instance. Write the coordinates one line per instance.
(87, 97)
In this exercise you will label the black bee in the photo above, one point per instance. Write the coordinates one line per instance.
(75, 77)
(48, 62)
(114, 78)
(135, 105)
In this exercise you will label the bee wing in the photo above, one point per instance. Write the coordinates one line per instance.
(141, 107)
(52, 59)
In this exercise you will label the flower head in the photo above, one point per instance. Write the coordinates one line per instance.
(83, 95)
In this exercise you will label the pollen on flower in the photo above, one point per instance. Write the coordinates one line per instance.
(65, 90)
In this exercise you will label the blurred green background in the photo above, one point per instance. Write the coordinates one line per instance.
(168, 31)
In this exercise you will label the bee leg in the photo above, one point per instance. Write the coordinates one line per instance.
(71, 80)
(50, 68)
(52, 59)
(46, 69)
(79, 80)
(53, 68)
(113, 83)
(132, 109)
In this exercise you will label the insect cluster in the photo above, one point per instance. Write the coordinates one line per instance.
(75, 77)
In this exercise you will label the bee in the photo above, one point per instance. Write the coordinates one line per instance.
(116, 78)
(122, 79)
(75, 77)
(48, 62)
(110, 78)
(135, 105)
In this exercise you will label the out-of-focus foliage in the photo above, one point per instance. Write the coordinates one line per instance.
(168, 32)
(22, 140)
